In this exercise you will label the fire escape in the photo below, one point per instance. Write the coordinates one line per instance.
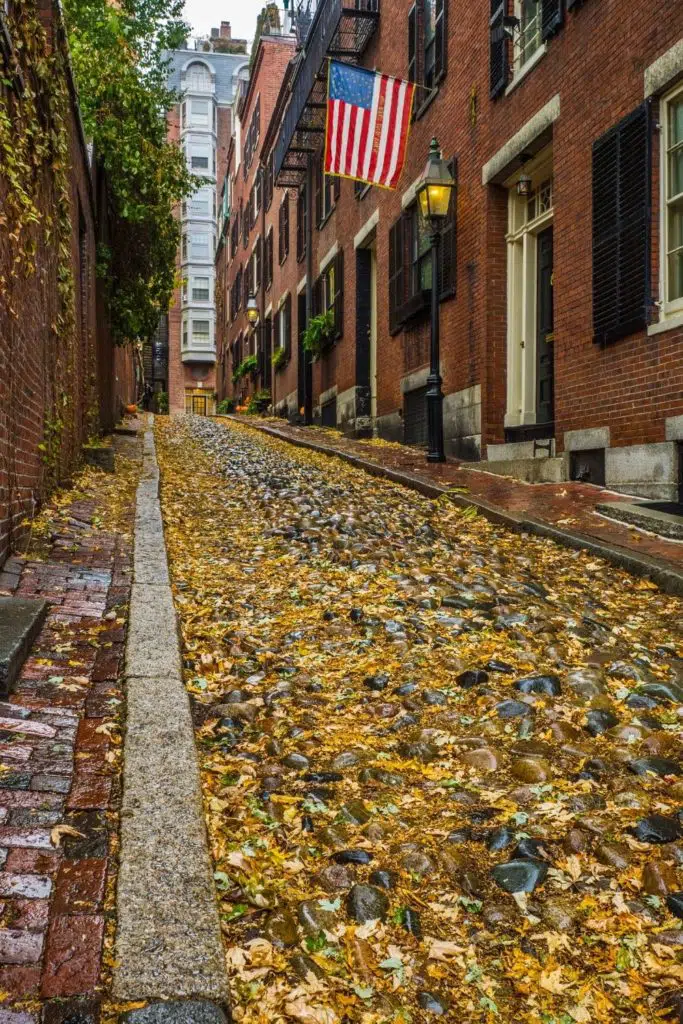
(337, 29)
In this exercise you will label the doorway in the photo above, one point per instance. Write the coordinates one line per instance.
(366, 338)
(545, 412)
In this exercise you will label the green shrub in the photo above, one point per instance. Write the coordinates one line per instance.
(225, 406)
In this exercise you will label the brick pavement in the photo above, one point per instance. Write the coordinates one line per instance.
(59, 766)
(567, 505)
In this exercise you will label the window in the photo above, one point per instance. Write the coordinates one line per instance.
(200, 246)
(268, 260)
(198, 78)
(199, 113)
(283, 227)
(282, 327)
(327, 190)
(427, 42)
(268, 183)
(621, 227)
(184, 246)
(246, 223)
(202, 203)
(234, 235)
(253, 134)
(410, 268)
(255, 199)
(200, 289)
(256, 260)
(301, 209)
(185, 328)
(201, 333)
(328, 292)
(671, 116)
(528, 38)
(237, 293)
(200, 153)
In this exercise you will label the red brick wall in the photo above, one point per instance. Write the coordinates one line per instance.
(53, 394)
(596, 64)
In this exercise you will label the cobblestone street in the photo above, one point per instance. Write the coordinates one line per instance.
(441, 761)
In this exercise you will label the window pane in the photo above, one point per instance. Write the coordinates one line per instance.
(529, 32)
(200, 112)
(200, 330)
(200, 289)
(676, 121)
(675, 250)
(200, 163)
(675, 184)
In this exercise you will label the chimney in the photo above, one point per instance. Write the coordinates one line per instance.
(225, 30)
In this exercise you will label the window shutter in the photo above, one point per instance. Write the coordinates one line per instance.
(395, 274)
(622, 184)
(287, 313)
(447, 261)
(258, 263)
(440, 38)
(552, 17)
(339, 294)
(499, 63)
(276, 331)
(412, 44)
(280, 233)
(336, 187)
(573, 3)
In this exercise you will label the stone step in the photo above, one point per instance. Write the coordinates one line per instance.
(647, 518)
(533, 471)
(21, 620)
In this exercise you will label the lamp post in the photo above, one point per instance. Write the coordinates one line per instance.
(434, 196)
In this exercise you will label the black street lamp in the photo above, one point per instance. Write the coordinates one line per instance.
(434, 197)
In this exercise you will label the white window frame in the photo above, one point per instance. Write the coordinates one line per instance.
(209, 193)
(203, 277)
(198, 78)
(194, 257)
(521, 67)
(674, 307)
(520, 408)
(205, 120)
(205, 340)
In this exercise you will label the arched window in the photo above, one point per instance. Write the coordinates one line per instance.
(198, 78)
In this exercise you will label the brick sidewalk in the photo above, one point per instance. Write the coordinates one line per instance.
(568, 505)
(59, 766)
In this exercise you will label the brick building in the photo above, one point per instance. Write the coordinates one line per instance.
(253, 254)
(61, 378)
(201, 122)
(561, 279)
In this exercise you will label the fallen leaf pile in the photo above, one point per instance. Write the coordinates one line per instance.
(441, 761)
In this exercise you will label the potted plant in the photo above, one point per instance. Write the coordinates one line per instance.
(319, 333)
(280, 359)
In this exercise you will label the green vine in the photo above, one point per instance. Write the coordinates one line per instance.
(319, 332)
(247, 366)
(280, 358)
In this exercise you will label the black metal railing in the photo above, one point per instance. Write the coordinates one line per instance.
(338, 31)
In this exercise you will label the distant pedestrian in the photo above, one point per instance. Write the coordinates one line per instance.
(147, 398)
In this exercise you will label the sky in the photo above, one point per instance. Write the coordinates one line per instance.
(204, 15)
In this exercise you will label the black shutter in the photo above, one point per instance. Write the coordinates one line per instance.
(447, 262)
(276, 331)
(280, 233)
(573, 3)
(552, 17)
(412, 44)
(336, 187)
(259, 244)
(287, 313)
(316, 297)
(396, 274)
(622, 184)
(440, 38)
(499, 61)
(339, 294)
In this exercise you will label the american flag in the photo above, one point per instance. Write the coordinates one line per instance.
(368, 120)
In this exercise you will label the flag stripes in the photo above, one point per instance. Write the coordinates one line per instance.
(367, 131)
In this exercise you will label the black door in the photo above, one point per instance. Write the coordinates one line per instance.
(545, 412)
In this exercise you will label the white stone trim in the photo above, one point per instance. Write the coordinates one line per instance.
(369, 226)
(664, 70)
(673, 323)
(328, 257)
(269, 310)
(282, 299)
(301, 285)
(673, 427)
(587, 439)
(325, 396)
(534, 127)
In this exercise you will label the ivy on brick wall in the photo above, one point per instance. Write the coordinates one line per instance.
(117, 52)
